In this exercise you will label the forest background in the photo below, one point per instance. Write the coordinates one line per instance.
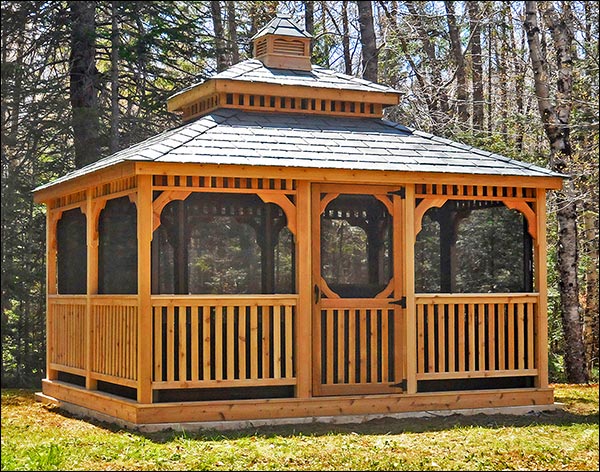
(81, 80)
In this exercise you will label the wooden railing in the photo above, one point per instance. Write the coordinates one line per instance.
(113, 334)
(66, 314)
(358, 340)
(220, 341)
(114, 339)
(475, 335)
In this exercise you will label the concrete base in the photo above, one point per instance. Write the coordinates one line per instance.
(228, 425)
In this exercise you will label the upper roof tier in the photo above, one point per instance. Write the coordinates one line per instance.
(279, 75)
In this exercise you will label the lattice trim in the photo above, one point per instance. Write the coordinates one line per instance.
(165, 182)
(489, 191)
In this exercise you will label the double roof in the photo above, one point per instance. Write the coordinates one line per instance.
(233, 136)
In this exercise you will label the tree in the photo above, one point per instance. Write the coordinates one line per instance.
(368, 41)
(84, 92)
(556, 121)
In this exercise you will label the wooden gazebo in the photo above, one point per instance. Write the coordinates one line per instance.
(288, 253)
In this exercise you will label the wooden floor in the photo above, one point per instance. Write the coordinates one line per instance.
(58, 393)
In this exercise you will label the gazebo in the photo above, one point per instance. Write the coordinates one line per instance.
(288, 253)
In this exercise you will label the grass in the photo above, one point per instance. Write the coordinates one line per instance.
(36, 437)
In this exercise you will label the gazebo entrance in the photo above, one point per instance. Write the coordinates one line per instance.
(358, 291)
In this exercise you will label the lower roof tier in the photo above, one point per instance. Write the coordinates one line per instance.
(237, 137)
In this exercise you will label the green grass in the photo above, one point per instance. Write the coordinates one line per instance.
(35, 437)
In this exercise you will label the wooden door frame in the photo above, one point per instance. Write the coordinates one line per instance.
(396, 207)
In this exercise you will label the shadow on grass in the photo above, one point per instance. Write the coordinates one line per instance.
(387, 426)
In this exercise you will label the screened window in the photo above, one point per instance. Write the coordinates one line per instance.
(473, 247)
(215, 243)
(356, 246)
(117, 250)
(71, 253)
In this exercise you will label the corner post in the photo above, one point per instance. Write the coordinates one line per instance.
(303, 339)
(91, 284)
(51, 287)
(409, 289)
(541, 286)
(144, 238)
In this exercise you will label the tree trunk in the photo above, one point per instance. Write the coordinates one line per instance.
(309, 20)
(556, 126)
(367, 40)
(83, 91)
(114, 79)
(477, 68)
(217, 19)
(590, 314)
(459, 61)
(346, 40)
(232, 32)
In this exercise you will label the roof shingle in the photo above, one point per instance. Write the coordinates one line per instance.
(249, 138)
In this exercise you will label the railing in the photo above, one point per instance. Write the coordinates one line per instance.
(66, 315)
(221, 341)
(114, 339)
(358, 340)
(113, 334)
(475, 335)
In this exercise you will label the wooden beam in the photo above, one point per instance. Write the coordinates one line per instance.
(92, 285)
(409, 290)
(344, 175)
(93, 178)
(303, 341)
(144, 236)
(541, 286)
(51, 286)
(187, 97)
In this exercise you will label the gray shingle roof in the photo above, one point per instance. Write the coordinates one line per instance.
(309, 141)
(252, 70)
(284, 25)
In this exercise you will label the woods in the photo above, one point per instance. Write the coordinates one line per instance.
(82, 80)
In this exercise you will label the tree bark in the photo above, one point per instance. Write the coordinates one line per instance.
(309, 20)
(367, 40)
(83, 91)
(590, 314)
(114, 78)
(346, 40)
(232, 32)
(556, 126)
(217, 19)
(477, 67)
(462, 96)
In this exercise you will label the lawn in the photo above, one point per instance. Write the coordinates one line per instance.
(36, 437)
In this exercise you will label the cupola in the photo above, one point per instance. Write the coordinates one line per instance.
(282, 44)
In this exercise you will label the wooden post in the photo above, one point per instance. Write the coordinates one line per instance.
(144, 237)
(92, 286)
(541, 286)
(51, 287)
(409, 289)
(304, 287)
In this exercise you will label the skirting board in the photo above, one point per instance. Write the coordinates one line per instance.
(83, 412)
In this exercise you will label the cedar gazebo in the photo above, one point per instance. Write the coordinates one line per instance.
(288, 253)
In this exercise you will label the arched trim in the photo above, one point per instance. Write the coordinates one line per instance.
(387, 291)
(527, 212)
(285, 204)
(161, 202)
(422, 208)
(326, 200)
(327, 290)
